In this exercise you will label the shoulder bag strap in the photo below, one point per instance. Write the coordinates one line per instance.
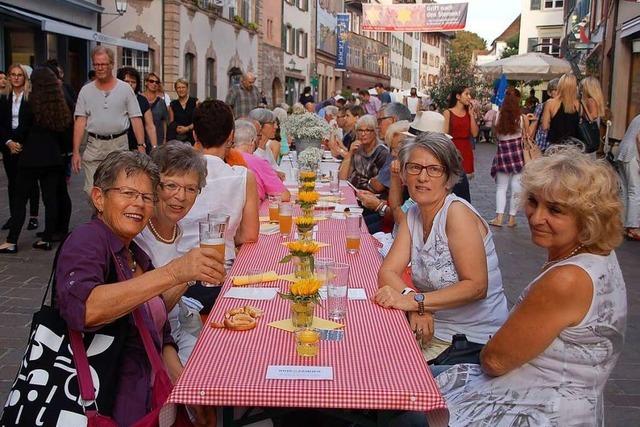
(82, 367)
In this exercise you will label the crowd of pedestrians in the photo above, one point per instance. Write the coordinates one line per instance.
(153, 168)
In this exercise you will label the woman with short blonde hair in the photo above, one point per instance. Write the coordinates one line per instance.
(548, 364)
(181, 113)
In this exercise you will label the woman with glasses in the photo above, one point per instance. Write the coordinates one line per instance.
(102, 276)
(450, 247)
(13, 128)
(154, 95)
(181, 113)
(183, 173)
(268, 148)
(131, 76)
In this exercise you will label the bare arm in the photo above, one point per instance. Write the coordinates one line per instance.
(275, 149)
(447, 116)
(394, 264)
(173, 295)
(172, 362)
(591, 109)
(79, 126)
(138, 130)
(546, 114)
(285, 196)
(250, 224)
(559, 299)
(150, 128)
(395, 192)
(475, 129)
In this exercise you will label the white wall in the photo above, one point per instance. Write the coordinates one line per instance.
(532, 21)
(299, 19)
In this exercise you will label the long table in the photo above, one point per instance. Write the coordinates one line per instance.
(377, 365)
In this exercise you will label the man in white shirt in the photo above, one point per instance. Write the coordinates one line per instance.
(106, 107)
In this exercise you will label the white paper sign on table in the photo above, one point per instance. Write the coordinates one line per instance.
(252, 293)
(294, 372)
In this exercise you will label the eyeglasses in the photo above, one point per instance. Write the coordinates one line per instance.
(172, 187)
(366, 130)
(16, 75)
(131, 194)
(155, 82)
(434, 171)
(381, 119)
(101, 65)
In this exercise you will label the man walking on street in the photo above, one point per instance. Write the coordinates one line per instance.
(105, 108)
(244, 97)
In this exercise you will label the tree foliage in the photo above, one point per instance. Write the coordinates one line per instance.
(512, 47)
(464, 43)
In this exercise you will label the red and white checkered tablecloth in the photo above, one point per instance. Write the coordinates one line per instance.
(377, 365)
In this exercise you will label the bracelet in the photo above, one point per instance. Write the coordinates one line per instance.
(379, 206)
(407, 290)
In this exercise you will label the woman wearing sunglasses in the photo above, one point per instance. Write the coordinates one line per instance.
(453, 258)
(159, 112)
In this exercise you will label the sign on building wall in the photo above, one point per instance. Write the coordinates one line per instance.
(414, 17)
(327, 21)
(342, 41)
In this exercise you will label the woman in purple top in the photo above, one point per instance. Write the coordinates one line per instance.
(123, 197)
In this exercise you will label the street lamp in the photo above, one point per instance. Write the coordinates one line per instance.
(121, 6)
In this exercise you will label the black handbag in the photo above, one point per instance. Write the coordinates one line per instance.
(46, 390)
(588, 131)
(460, 351)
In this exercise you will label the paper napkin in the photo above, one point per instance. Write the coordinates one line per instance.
(269, 276)
(268, 229)
(318, 323)
(252, 293)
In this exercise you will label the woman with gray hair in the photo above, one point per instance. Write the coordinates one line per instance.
(281, 116)
(268, 148)
(450, 247)
(103, 276)
(183, 173)
(267, 180)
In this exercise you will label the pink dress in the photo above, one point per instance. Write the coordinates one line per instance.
(266, 177)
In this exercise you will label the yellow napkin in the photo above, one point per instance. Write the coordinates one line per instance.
(318, 323)
(289, 277)
(269, 276)
(317, 218)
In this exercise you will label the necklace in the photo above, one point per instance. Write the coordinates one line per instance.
(159, 237)
(555, 261)
(133, 264)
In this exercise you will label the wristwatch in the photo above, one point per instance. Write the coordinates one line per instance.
(419, 298)
(383, 210)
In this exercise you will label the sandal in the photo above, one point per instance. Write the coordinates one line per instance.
(495, 222)
(512, 222)
(632, 235)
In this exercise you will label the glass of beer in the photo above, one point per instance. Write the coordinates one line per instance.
(354, 224)
(274, 207)
(285, 214)
(211, 238)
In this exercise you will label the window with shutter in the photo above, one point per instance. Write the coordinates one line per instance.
(535, 4)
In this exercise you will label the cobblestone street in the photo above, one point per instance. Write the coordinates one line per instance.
(23, 277)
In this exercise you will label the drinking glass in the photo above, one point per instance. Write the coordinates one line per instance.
(322, 266)
(334, 184)
(286, 213)
(211, 238)
(274, 207)
(337, 291)
(353, 224)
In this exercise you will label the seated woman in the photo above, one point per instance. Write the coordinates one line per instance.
(268, 148)
(183, 173)
(450, 247)
(267, 180)
(90, 296)
(548, 364)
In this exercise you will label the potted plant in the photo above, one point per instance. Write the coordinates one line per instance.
(310, 158)
(307, 129)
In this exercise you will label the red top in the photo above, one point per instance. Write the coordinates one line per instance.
(460, 130)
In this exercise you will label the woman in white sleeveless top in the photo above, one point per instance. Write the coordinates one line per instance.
(548, 364)
(453, 259)
(182, 176)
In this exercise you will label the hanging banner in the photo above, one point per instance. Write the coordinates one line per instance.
(414, 17)
(326, 21)
(342, 48)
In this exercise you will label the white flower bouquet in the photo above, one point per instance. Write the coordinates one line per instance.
(306, 126)
(310, 158)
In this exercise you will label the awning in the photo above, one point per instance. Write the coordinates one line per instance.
(52, 26)
(630, 27)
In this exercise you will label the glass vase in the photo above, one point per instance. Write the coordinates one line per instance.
(304, 268)
(307, 211)
(302, 314)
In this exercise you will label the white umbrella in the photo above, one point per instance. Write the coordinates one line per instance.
(528, 66)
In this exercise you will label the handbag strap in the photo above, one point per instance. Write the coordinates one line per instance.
(51, 285)
(82, 366)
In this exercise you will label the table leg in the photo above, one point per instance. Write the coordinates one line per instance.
(227, 417)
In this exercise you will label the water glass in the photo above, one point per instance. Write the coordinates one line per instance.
(285, 215)
(334, 184)
(322, 266)
(337, 291)
(354, 225)
(213, 238)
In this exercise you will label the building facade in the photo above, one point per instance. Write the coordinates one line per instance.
(541, 26)
(270, 51)
(297, 20)
(208, 45)
(329, 81)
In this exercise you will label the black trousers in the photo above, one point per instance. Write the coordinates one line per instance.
(461, 189)
(27, 178)
(10, 162)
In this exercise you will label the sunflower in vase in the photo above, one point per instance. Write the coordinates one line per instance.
(307, 200)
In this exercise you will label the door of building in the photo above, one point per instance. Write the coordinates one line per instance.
(633, 108)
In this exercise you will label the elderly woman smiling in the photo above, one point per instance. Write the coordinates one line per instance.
(548, 364)
(88, 294)
(183, 173)
(450, 247)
